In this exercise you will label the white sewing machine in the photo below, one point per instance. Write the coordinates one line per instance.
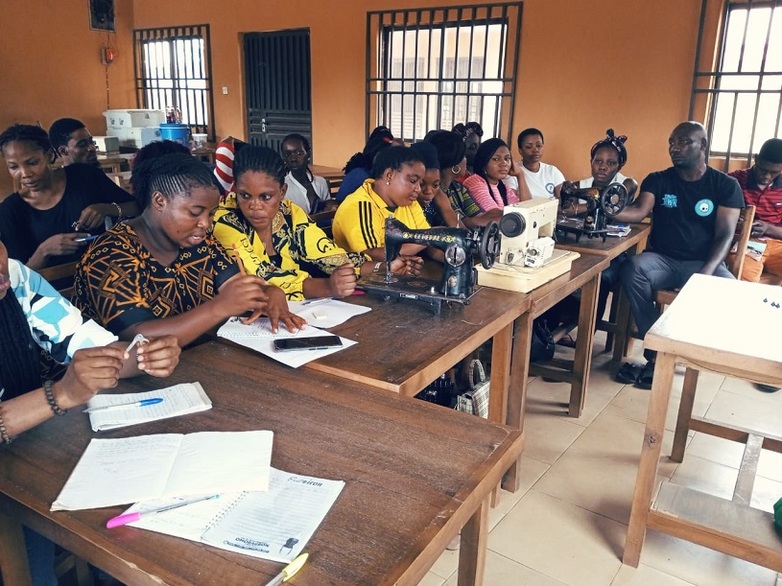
(527, 258)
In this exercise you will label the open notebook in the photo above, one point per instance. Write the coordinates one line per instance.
(177, 400)
(141, 468)
(274, 525)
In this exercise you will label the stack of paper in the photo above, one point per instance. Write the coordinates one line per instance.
(177, 400)
(126, 470)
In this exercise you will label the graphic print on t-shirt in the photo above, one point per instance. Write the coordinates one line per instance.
(704, 207)
(670, 200)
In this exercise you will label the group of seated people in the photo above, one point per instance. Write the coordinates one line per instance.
(193, 246)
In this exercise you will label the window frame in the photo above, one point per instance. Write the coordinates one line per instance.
(447, 21)
(151, 94)
(710, 73)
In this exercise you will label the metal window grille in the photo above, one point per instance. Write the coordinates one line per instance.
(435, 67)
(739, 85)
(174, 68)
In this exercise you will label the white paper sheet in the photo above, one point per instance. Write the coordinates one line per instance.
(258, 336)
(326, 312)
(177, 400)
(125, 470)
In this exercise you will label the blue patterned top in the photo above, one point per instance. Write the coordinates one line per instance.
(56, 325)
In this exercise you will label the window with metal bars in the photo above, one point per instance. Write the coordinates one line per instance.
(432, 68)
(742, 93)
(174, 68)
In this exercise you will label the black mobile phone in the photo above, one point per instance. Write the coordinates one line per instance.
(316, 343)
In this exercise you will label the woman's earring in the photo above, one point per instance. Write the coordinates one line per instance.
(456, 169)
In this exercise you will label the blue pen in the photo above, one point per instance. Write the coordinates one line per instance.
(142, 403)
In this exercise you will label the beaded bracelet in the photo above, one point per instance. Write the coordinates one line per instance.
(4, 437)
(47, 388)
(120, 217)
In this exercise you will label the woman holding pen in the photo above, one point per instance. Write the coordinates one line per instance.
(277, 241)
(163, 272)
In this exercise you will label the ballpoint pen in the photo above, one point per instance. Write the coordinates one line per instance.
(141, 403)
(133, 517)
(315, 301)
(289, 571)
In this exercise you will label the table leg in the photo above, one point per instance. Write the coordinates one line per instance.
(472, 550)
(500, 374)
(583, 355)
(685, 414)
(650, 457)
(622, 326)
(517, 391)
(13, 556)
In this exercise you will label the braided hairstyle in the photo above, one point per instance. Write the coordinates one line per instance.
(262, 160)
(394, 158)
(28, 133)
(483, 156)
(174, 174)
(615, 142)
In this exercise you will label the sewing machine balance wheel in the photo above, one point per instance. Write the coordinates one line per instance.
(490, 245)
(613, 199)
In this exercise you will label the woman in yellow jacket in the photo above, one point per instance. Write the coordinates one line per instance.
(277, 241)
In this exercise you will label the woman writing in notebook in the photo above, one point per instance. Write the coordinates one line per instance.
(276, 239)
(164, 272)
(34, 317)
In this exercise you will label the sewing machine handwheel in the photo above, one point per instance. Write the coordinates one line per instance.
(613, 199)
(490, 244)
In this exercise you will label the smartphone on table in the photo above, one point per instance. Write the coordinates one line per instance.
(313, 343)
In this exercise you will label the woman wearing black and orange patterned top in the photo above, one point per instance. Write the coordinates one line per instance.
(163, 272)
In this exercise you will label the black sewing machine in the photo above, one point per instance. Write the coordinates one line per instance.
(601, 205)
(459, 279)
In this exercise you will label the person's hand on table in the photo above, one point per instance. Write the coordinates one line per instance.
(243, 293)
(278, 311)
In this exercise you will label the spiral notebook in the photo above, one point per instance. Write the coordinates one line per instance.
(180, 399)
(273, 525)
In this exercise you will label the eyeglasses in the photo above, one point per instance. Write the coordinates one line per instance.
(296, 153)
(680, 142)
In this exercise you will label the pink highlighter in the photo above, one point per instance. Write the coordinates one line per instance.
(138, 515)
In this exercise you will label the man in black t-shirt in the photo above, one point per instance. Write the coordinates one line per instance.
(695, 209)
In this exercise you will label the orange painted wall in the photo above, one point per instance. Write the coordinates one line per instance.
(50, 65)
(584, 66)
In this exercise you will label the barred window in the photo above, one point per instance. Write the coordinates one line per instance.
(743, 89)
(173, 68)
(436, 67)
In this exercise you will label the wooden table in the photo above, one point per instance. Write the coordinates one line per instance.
(584, 274)
(402, 346)
(328, 173)
(728, 327)
(415, 475)
(612, 247)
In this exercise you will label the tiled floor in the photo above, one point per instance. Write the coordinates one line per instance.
(567, 524)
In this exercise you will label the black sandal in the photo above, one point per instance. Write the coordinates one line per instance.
(644, 380)
(629, 372)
